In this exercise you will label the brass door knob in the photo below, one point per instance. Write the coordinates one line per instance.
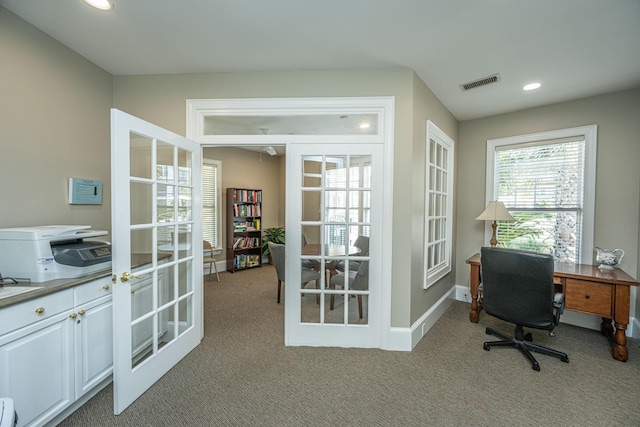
(81, 312)
(73, 315)
(126, 276)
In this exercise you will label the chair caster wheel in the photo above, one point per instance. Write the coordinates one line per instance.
(528, 337)
(486, 346)
(535, 367)
(487, 331)
(565, 359)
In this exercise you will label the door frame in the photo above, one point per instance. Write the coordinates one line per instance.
(383, 106)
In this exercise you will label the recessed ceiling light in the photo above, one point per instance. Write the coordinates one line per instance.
(531, 86)
(100, 4)
(364, 125)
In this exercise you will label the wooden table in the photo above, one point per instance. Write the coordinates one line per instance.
(587, 289)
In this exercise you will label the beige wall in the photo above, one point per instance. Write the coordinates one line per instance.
(617, 178)
(162, 100)
(426, 107)
(248, 169)
(54, 124)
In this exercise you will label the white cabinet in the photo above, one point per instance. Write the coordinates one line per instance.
(36, 362)
(54, 349)
(93, 336)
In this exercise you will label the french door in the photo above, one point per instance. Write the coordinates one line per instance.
(157, 253)
(334, 223)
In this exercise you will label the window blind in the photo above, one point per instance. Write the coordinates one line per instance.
(209, 203)
(542, 185)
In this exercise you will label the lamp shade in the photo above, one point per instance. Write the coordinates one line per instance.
(495, 211)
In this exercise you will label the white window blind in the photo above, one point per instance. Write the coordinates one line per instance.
(210, 201)
(547, 186)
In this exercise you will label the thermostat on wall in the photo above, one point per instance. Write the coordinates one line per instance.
(85, 191)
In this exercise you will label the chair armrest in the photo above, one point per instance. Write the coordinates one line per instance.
(558, 306)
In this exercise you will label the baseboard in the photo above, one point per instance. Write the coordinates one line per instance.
(569, 317)
(405, 339)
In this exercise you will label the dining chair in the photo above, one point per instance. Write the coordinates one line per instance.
(358, 280)
(209, 258)
(277, 251)
(362, 243)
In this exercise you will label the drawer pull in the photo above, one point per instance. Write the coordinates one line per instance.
(587, 296)
(106, 287)
(73, 315)
(40, 310)
(81, 312)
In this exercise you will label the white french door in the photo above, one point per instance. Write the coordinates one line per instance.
(334, 227)
(157, 252)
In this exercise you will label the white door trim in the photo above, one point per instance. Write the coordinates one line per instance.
(384, 106)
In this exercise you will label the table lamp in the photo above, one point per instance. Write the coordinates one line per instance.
(495, 211)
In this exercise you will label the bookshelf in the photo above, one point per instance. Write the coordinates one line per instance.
(244, 235)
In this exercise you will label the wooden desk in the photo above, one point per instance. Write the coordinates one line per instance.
(587, 289)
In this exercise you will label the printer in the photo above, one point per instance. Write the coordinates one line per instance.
(50, 252)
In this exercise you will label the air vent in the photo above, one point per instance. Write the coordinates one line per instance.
(481, 82)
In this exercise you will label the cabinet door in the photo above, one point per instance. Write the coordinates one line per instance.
(36, 369)
(94, 344)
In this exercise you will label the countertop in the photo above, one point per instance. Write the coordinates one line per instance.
(60, 284)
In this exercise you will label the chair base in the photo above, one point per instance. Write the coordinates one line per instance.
(523, 343)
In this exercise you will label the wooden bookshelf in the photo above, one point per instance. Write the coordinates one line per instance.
(244, 234)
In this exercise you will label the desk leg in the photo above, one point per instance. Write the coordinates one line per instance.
(621, 320)
(474, 283)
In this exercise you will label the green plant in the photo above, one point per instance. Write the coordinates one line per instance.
(273, 234)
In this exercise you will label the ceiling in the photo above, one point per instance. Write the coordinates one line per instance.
(575, 48)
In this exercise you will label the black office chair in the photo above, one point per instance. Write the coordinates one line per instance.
(517, 286)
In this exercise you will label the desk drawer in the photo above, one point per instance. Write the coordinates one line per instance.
(589, 297)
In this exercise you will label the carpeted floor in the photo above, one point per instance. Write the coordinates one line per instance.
(243, 375)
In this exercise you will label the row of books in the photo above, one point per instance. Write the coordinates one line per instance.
(246, 242)
(246, 225)
(245, 261)
(254, 196)
(246, 210)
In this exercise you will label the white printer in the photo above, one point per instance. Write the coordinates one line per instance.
(52, 252)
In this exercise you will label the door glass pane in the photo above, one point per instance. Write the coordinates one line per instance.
(185, 167)
(185, 314)
(140, 156)
(185, 284)
(312, 172)
(141, 340)
(139, 193)
(184, 204)
(165, 168)
(335, 172)
(311, 207)
(141, 248)
(185, 241)
(166, 288)
(165, 203)
(166, 325)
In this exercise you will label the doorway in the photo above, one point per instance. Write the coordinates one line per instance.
(346, 128)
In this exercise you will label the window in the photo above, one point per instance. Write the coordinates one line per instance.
(439, 205)
(547, 182)
(211, 173)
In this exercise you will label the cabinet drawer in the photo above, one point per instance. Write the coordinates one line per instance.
(25, 313)
(589, 297)
(92, 290)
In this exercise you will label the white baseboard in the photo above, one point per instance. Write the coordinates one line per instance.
(405, 339)
(569, 317)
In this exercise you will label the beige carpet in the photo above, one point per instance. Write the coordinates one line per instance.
(243, 375)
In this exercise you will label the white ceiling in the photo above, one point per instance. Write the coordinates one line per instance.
(576, 48)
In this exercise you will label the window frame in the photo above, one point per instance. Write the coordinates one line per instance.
(432, 275)
(216, 246)
(589, 133)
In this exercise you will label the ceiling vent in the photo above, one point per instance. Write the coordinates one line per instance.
(481, 82)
